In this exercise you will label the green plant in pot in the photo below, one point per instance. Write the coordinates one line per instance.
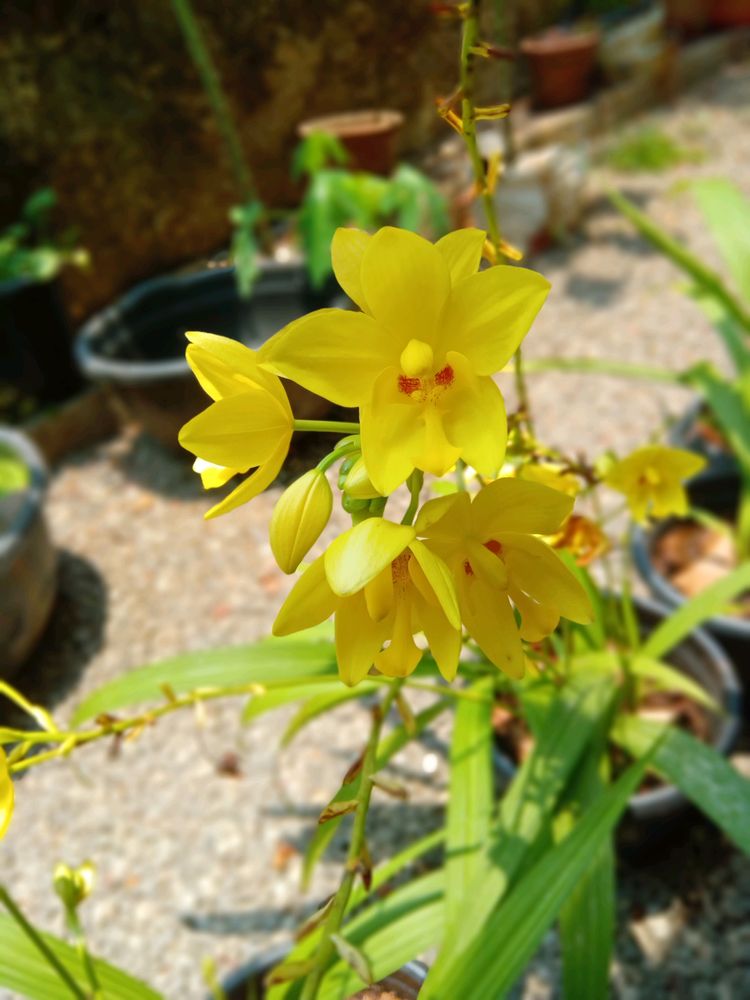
(37, 363)
(683, 557)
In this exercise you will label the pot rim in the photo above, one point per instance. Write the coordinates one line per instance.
(560, 43)
(657, 802)
(33, 494)
(98, 367)
(265, 961)
(352, 124)
(641, 546)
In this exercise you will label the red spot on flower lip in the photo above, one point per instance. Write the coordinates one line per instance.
(468, 570)
(409, 385)
(494, 546)
(445, 376)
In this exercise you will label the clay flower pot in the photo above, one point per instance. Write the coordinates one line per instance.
(688, 17)
(562, 65)
(368, 136)
(730, 13)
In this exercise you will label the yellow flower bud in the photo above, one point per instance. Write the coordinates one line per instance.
(357, 483)
(73, 885)
(6, 795)
(299, 517)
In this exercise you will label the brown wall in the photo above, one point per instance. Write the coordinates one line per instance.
(100, 101)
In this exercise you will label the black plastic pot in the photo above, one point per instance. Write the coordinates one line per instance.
(137, 346)
(654, 815)
(28, 560)
(248, 979)
(722, 465)
(36, 356)
(733, 633)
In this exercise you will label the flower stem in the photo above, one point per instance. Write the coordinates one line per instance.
(327, 426)
(38, 941)
(326, 949)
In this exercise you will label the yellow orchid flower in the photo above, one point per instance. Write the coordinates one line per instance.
(553, 475)
(418, 359)
(583, 538)
(249, 424)
(651, 480)
(300, 515)
(7, 795)
(383, 586)
(490, 546)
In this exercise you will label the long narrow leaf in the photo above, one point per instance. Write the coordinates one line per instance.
(700, 773)
(26, 973)
(313, 687)
(727, 212)
(712, 601)
(469, 802)
(322, 703)
(267, 661)
(513, 932)
(526, 810)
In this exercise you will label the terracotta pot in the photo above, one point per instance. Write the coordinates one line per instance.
(730, 13)
(688, 17)
(562, 65)
(368, 136)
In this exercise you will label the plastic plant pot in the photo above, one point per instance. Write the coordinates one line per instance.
(136, 347)
(654, 815)
(28, 560)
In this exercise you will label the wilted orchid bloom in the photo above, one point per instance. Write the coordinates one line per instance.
(382, 586)
(651, 479)
(419, 358)
(249, 424)
(490, 546)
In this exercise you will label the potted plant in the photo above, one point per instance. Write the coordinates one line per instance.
(561, 62)
(683, 556)
(28, 561)
(369, 137)
(37, 362)
(729, 13)
(136, 346)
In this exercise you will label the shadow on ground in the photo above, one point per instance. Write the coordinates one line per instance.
(73, 636)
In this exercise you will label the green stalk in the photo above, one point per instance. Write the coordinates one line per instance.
(327, 949)
(327, 426)
(212, 85)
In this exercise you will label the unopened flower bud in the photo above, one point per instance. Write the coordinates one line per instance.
(357, 483)
(299, 517)
(73, 885)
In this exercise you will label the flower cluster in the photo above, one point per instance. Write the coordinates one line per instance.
(417, 358)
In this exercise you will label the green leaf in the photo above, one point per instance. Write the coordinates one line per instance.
(268, 661)
(587, 919)
(707, 280)
(390, 933)
(526, 810)
(244, 249)
(700, 773)
(726, 402)
(324, 703)
(509, 937)
(727, 212)
(315, 152)
(680, 623)
(469, 802)
(389, 747)
(25, 972)
(666, 678)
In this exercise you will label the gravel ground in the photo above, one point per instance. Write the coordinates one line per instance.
(194, 862)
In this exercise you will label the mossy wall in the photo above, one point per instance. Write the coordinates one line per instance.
(99, 100)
